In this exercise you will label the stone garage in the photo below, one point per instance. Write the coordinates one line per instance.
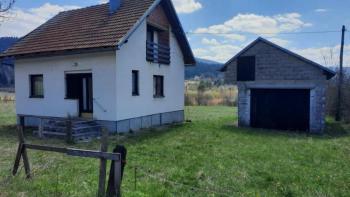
(278, 89)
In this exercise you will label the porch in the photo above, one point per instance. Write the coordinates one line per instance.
(71, 129)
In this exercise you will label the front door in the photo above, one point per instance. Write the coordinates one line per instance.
(79, 86)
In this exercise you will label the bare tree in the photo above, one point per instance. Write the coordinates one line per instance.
(5, 6)
(329, 59)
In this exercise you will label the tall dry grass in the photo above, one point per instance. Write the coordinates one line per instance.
(210, 95)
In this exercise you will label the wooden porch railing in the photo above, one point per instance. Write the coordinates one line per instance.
(157, 53)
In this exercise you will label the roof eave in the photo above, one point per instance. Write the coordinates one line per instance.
(60, 52)
(180, 34)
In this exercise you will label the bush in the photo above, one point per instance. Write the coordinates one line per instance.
(332, 98)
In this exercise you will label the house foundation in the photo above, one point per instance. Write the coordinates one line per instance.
(124, 126)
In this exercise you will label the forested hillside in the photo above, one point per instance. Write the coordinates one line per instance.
(6, 64)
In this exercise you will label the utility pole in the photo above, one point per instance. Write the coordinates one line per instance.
(340, 78)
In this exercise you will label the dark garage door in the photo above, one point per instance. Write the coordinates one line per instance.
(284, 109)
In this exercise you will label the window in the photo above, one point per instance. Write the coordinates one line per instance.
(246, 68)
(135, 83)
(158, 86)
(36, 86)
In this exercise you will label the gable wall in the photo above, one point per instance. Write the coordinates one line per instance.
(158, 17)
(132, 56)
(274, 64)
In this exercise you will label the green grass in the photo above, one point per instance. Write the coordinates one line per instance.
(209, 153)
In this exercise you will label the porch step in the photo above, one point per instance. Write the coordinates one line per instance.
(82, 130)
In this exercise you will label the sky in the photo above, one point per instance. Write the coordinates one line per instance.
(218, 29)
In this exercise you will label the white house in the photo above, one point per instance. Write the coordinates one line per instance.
(120, 63)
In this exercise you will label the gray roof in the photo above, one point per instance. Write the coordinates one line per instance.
(330, 73)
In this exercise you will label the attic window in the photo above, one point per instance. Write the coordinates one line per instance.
(246, 68)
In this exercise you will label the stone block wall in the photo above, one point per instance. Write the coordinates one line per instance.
(274, 64)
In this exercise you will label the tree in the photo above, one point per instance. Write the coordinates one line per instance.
(5, 6)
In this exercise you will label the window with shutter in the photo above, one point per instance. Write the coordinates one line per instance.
(246, 68)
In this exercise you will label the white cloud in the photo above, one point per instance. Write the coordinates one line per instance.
(217, 51)
(223, 50)
(20, 22)
(258, 24)
(279, 41)
(327, 56)
(103, 1)
(187, 6)
(212, 42)
(321, 10)
(235, 37)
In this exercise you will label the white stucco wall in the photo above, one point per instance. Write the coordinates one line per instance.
(132, 56)
(101, 65)
(112, 82)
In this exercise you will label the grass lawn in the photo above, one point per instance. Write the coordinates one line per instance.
(208, 157)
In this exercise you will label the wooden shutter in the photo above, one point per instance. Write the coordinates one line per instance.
(246, 68)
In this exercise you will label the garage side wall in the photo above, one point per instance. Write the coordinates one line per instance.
(317, 108)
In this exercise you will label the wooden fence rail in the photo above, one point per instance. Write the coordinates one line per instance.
(103, 155)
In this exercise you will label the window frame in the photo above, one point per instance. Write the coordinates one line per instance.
(158, 93)
(246, 71)
(135, 85)
(150, 34)
(32, 92)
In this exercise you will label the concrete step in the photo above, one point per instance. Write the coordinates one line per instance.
(82, 130)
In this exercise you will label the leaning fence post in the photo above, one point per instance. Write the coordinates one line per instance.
(21, 152)
(103, 164)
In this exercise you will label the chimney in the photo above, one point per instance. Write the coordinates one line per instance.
(114, 5)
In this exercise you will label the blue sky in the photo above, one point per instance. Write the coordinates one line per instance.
(220, 28)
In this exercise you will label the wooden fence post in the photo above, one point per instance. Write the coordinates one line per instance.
(103, 165)
(21, 152)
(118, 176)
(116, 173)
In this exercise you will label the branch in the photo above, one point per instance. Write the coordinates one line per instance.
(8, 7)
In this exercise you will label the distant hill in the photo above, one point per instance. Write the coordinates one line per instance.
(204, 68)
(6, 42)
(6, 64)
